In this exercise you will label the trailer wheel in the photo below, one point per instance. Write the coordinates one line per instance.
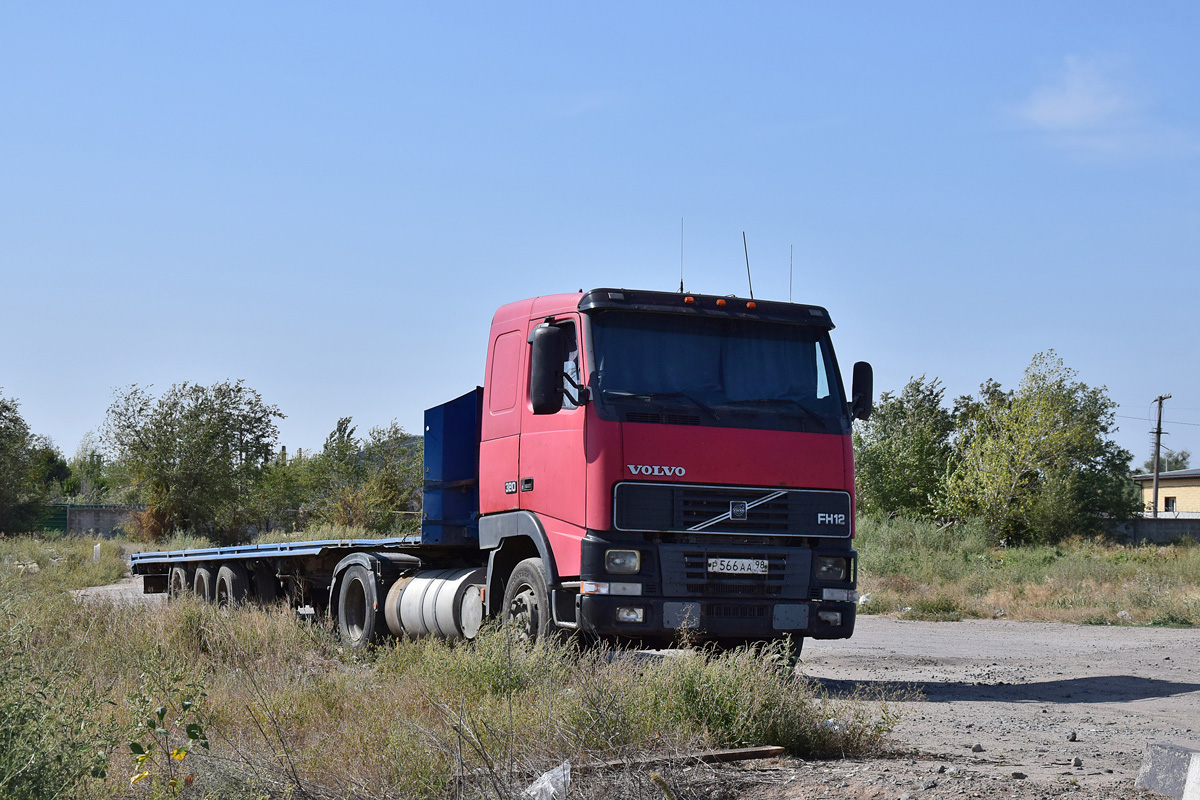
(233, 582)
(359, 620)
(177, 583)
(204, 583)
(527, 601)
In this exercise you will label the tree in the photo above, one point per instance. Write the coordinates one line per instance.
(903, 452)
(1037, 463)
(88, 481)
(193, 454)
(1168, 460)
(48, 470)
(284, 488)
(20, 501)
(373, 483)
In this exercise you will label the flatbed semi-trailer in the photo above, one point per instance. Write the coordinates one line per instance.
(635, 463)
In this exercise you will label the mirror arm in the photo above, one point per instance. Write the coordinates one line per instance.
(582, 395)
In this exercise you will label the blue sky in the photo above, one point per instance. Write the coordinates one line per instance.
(329, 200)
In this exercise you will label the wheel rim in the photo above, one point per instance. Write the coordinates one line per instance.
(523, 612)
(354, 611)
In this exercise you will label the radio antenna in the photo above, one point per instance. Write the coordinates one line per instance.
(791, 254)
(746, 247)
(681, 255)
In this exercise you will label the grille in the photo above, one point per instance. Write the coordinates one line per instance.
(718, 610)
(700, 506)
(643, 506)
(719, 590)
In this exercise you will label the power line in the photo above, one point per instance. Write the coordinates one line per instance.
(1165, 421)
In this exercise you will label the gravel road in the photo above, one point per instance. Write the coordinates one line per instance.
(1068, 707)
(1002, 709)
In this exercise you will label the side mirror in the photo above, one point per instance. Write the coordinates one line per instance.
(545, 368)
(863, 393)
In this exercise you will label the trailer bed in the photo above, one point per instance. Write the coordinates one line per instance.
(155, 562)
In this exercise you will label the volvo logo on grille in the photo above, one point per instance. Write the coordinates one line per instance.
(737, 509)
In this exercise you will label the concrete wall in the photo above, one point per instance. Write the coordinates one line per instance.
(97, 521)
(1160, 531)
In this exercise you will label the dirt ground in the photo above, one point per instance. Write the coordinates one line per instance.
(1008, 709)
(1001, 709)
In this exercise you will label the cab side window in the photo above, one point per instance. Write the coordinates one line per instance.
(570, 367)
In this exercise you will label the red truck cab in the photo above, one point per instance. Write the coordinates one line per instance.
(654, 461)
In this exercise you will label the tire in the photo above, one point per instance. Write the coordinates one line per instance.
(266, 585)
(178, 584)
(360, 621)
(204, 584)
(526, 603)
(233, 584)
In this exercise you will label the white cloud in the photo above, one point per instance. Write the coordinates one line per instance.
(1089, 108)
(1083, 96)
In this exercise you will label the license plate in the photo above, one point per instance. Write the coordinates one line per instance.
(738, 566)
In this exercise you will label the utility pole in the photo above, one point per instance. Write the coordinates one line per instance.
(1157, 446)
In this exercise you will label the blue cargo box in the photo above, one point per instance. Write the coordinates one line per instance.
(450, 500)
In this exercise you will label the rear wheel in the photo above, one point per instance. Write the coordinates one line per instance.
(233, 583)
(527, 602)
(204, 583)
(359, 620)
(178, 584)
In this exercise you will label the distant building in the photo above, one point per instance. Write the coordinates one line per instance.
(1178, 492)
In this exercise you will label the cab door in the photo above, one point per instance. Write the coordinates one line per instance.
(553, 466)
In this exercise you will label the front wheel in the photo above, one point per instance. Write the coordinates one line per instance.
(359, 620)
(527, 602)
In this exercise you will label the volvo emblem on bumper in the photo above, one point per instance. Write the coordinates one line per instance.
(737, 509)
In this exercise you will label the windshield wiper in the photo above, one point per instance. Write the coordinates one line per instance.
(657, 395)
(814, 416)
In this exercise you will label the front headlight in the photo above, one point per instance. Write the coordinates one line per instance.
(622, 562)
(830, 568)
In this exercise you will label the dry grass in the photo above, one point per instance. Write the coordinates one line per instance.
(287, 712)
(923, 571)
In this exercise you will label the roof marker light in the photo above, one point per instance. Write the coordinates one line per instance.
(689, 300)
(751, 304)
(721, 302)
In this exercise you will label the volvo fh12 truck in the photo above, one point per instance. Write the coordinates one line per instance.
(636, 464)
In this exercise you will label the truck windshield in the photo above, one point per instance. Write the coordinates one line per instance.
(715, 371)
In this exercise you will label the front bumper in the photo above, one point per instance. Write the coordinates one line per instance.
(718, 618)
(674, 587)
